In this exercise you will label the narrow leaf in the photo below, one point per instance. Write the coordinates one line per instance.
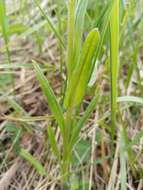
(51, 98)
(114, 57)
(37, 165)
(53, 28)
(83, 120)
(123, 174)
(104, 31)
(71, 34)
(134, 99)
(79, 29)
(108, 10)
(53, 142)
(79, 81)
(4, 27)
(4, 21)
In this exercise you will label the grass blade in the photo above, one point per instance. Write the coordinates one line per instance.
(4, 27)
(53, 142)
(103, 32)
(79, 25)
(37, 165)
(79, 81)
(114, 57)
(5, 32)
(123, 174)
(4, 21)
(53, 28)
(107, 15)
(51, 98)
(134, 99)
(71, 33)
(75, 33)
(83, 120)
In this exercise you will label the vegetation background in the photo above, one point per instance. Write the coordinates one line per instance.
(71, 94)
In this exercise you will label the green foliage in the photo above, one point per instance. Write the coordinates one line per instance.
(81, 75)
(53, 28)
(27, 156)
(83, 119)
(94, 29)
(114, 58)
(4, 21)
(53, 142)
(134, 99)
(51, 98)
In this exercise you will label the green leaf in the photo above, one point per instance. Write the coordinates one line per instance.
(51, 98)
(75, 33)
(134, 99)
(79, 29)
(81, 147)
(104, 29)
(53, 28)
(37, 165)
(70, 36)
(83, 120)
(123, 161)
(53, 142)
(114, 58)
(81, 75)
(17, 28)
(4, 20)
(4, 27)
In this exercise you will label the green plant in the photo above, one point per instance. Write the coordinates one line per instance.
(96, 59)
(79, 65)
(114, 58)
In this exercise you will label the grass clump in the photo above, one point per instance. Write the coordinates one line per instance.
(86, 56)
(76, 87)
